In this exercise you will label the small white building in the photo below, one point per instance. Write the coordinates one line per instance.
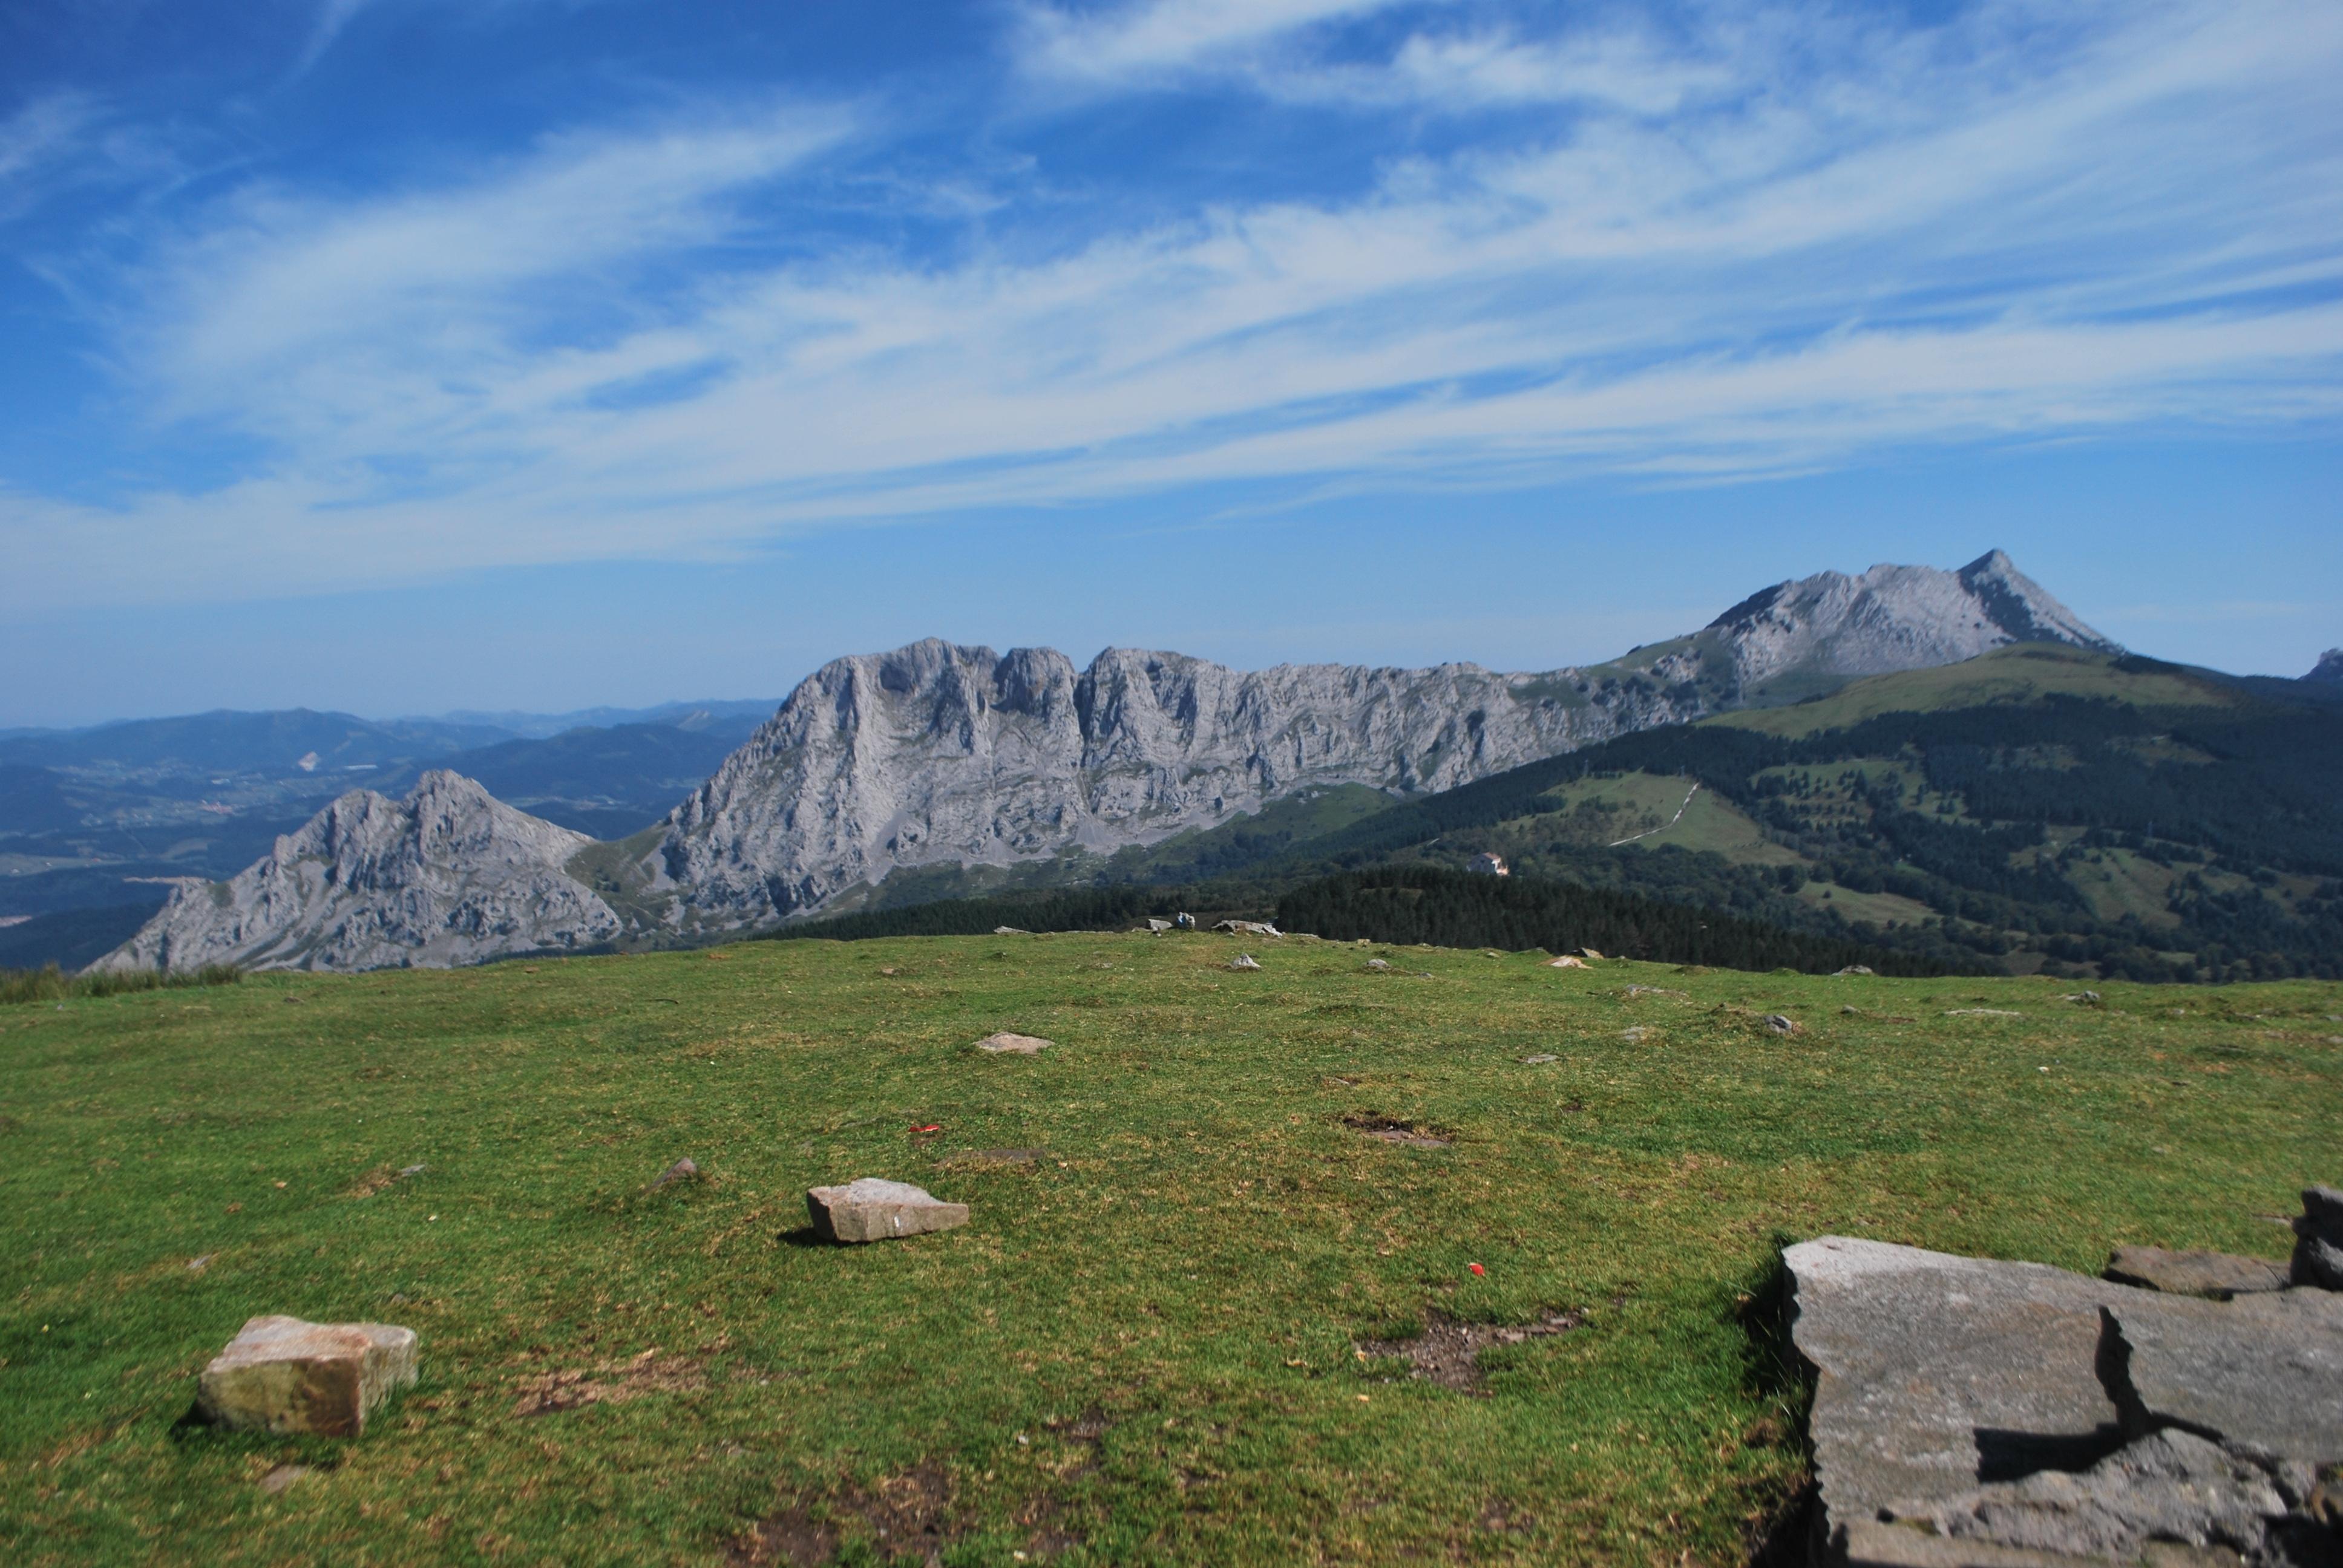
(1488, 865)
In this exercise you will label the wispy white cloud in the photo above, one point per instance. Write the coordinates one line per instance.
(614, 348)
(1158, 37)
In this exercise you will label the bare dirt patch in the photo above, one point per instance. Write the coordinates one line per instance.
(905, 1517)
(612, 1382)
(1395, 1132)
(1448, 1353)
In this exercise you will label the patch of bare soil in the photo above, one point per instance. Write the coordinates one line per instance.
(612, 1382)
(1391, 1131)
(1448, 1353)
(905, 1516)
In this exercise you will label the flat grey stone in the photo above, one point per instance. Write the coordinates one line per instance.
(2216, 1275)
(1937, 1373)
(2264, 1370)
(284, 1374)
(873, 1209)
(1006, 1043)
(1244, 962)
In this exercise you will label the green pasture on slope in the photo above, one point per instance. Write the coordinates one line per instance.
(1143, 1348)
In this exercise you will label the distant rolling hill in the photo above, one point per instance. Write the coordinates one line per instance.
(2041, 806)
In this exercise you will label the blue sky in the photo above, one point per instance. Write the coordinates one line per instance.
(405, 354)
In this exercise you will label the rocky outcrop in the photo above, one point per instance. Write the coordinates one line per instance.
(943, 755)
(448, 876)
(2328, 670)
(1970, 1411)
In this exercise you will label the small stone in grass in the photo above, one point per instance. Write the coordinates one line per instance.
(197, 1265)
(871, 1209)
(282, 1476)
(1539, 1060)
(1379, 965)
(684, 1169)
(1006, 1043)
(1567, 962)
(1244, 962)
(1777, 1024)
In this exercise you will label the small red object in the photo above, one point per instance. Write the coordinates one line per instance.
(1476, 1268)
(930, 1127)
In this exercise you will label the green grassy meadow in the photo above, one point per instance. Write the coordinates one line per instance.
(1144, 1347)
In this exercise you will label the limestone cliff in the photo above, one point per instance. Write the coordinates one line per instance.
(937, 754)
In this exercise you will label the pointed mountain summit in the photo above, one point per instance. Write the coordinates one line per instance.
(2328, 670)
(1787, 641)
(448, 876)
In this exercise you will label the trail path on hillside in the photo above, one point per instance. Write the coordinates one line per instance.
(1663, 826)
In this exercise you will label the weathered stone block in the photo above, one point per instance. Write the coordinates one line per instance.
(283, 1374)
(873, 1209)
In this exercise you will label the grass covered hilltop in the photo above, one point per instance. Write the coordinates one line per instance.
(1206, 1224)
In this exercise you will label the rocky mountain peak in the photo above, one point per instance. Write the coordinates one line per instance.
(450, 874)
(2329, 667)
(1892, 618)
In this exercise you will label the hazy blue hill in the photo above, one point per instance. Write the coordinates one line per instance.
(607, 782)
(227, 741)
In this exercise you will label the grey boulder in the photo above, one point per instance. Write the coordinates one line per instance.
(2318, 1247)
(874, 1210)
(2216, 1275)
(284, 1374)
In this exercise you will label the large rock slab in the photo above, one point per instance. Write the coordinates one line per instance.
(874, 1210)
(1936, 1372)
(2217, 1276)
(2265, 1371)
(1976, 1413)
(283, 1374)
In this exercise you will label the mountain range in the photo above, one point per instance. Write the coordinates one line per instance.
(938, 763)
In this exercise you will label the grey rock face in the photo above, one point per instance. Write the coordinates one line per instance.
(2329, 668)
(1894, 618)
(282, 1374)
(2216, 1275)
(873, 1209)
(2169, 1486)
(448, 876)
(2318, 1247)
(2264, 1370)
(1970, 1413)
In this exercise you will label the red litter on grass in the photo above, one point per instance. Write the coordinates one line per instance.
(1476, 1268)
(930, 1127)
